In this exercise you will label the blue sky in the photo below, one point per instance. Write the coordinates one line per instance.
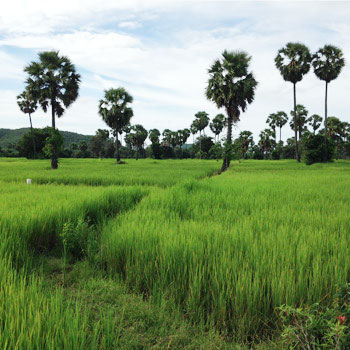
(160, 52)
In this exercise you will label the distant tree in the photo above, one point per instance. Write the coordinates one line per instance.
(116, 112)
(328, 63)
(25, 144)
(217, 124)
(167, 135)
(138, 136)
(98, 142)
(28, 105)
(266, 142)
(246, 141)
(194, 128)
(231, 86)
(315, 122)
(301, 118)
(293, 61)
(154, 135)
(272, 122)
(281, 120)
(202, 121)
(53, 80)
(183, 135)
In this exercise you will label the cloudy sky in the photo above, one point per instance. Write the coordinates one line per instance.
(160, 52)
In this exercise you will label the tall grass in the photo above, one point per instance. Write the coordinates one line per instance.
(229, 249)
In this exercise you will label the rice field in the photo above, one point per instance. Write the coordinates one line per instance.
(222, 251)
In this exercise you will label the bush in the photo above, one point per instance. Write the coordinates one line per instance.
(317, 151)
(318, 327)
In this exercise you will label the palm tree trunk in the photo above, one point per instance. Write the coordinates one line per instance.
(117, 154)
(31, 130)
(280, 134)
(54, 161)
(297, 156)
(325, 121)
(226, 161)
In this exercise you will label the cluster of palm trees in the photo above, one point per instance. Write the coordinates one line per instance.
(52, 82)
(294, 61)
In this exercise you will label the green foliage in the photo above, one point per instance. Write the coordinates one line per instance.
(293, 61)
(316, 151)
(53, 143)
(317, 326)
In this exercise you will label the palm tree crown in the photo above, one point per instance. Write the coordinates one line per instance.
(293, 61)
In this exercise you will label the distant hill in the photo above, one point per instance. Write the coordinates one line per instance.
(14, 135)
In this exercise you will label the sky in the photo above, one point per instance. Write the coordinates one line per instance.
(160, 52)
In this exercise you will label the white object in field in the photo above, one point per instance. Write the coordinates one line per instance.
(29, 181)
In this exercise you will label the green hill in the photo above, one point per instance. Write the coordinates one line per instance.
(8, 136)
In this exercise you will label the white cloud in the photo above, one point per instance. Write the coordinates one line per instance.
(166, 69)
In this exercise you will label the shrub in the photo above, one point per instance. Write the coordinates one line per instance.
(318, 327)
(316, 150)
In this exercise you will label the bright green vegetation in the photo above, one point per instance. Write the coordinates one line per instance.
(105, 172)
(166, 266)
(228, 250)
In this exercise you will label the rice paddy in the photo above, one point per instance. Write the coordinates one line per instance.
(222, 251)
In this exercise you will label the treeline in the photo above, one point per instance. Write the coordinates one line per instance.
(52, 82)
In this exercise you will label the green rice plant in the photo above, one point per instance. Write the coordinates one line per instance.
(230, 249)
(94, 172)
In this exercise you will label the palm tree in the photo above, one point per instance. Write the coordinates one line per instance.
(202, 121)
(272, 122)
(138, 136)
(265, 142)
(315, 122)
(53, 81)
(246, 140)
(217, 125)
(28, 105)
(194, 128)
(293, 61)
(115, 112)
(154, 135)
(327, 63)
(301, 118)
(231, 86)
(281, 121)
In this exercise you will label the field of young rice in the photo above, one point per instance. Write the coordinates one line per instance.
(105, 172)
(224, 251)
(229, 249)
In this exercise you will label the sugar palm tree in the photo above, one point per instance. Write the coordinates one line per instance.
(116, 112)
(281, 121)
(272, 122)
(246, 141)
(232, 87)
(28, 105)
(301, 118)
(293, 61)
(315, 122)
(53, 81)
(217, 124)
(328, 63)
(194, 128)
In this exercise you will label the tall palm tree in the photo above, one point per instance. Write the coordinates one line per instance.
(138, 136)
(217, 124)
(293, 61)
(116, 112)
(232, 87)
(315, 122)
(328, 63)
(28, 105)
(53, 81)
